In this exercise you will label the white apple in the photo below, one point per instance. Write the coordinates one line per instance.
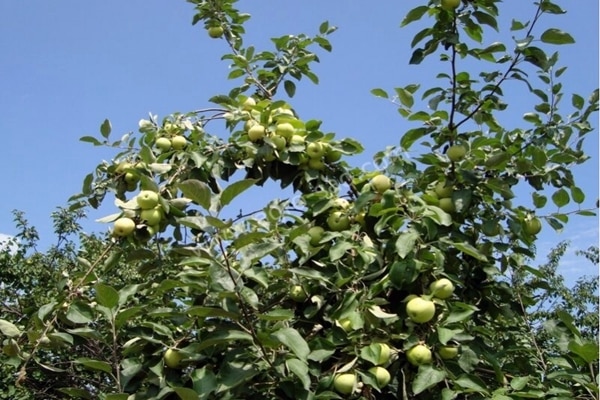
(285, 129)
(256, 133)
(178, 142)
(344, 383)
(163, 144)
(123, 227)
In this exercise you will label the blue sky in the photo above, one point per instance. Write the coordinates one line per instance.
(68, 65)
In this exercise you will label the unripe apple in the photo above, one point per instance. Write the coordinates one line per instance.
(442, 288)
(338, 221)
(448, 352)
(456, 152)
(332, 156)
(316, 234)
(382, 376)
(249, 124)
(297, 293)
(147, 199)
(130, 177)
(215, 32)
(123, 227)
(178, 142)
(279, 142)
(450, 5)
(285, 129)
(249, 103)
(315, 150)
(172, 358)
(341, 203)
(447, 204)
(384, 353)
(532, 226)
(442, 190)
(381, 183)
(344, 383)
(163, 144)
(419, 355)
(297, 140)
(420, 310)
(256, 133)
(152, 216)
(316, 164)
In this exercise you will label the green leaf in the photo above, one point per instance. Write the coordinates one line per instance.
(278, 314)
(90, 139)
(556, 36)
(117, 396)
(577, 101)
(204, 382)
(405, 97)
(235, 189)
(469, 249)
(106, 296)
(577, 195)
(94, 364)
(426, 378)
(197, 191)
(471, 382)
(539, 200)
(290, 338)
(236, 73)
(185, 393)
(9, 329)
(412, 136)
(300, 369)
(561, 198)
(77, 393)
(445, 334)
(403, 272)
(105, 128)
(290, 88)
(414, 15)
(203, 311)
(380, 93)
(519, 382)
(79, 314)
(587, 350)
(406, 242)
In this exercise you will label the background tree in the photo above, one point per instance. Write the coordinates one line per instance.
(388, 284)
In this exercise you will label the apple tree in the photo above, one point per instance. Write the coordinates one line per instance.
(392, 284)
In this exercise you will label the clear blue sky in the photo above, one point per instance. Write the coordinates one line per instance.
(67, 65)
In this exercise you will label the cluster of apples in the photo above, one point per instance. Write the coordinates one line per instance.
(148, 213)
(166, 142)
(441, 196)
(347, 382)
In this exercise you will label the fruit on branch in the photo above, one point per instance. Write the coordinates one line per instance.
(419, 355)
(420, 310)
(147, 199)
(172, 358)
(384, 353)
(341, 204)
(447, 352)
(316, 164)
(382, 376)
(442, 288)
(178, 142)
(248, 103)
(285, 129)
(456, 152)
(123, 227)
(447, 204)
(442, 190)
(298, 294)
(332, 156)
(163, 144)
(450, 5)
(256, 133)
(297, 140)
(279, 142)
(344, 383)
(215, 32)
(532, 226)
(316, 234)
(381, 183)
(338, 221)
(152, 216)
(315, 150)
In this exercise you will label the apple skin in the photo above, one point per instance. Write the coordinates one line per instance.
(420, 310)
(382, 376)
(384, 354)
(443, 191)
(172, 358)
(279, 142)
(256, 133)
(315, 150)
(297, 140)
(442, 288)
(448, 352)
(248, 104)
(147, 199)
(178, 142)
(123, 227)
(344, 383)
(332, 156)
(456, 152)
(447, 204)
(381, 183)
(341, 204)
(297, 294)
(152, 216)
(316, 164)
(316, 234)
(215, 32)
(163, 144)
(450, 4)
(532, 226)
(419, 355)
(285, 129)
(338, 221)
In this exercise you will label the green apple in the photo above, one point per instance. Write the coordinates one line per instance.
(360, 218)
(442, 288)
(130, 177)
(248, 103)
(172, 358)
(163, 144)
(345, 324)
(420, 310)
(147, 199)
(456, 152)
(532, 226)
(152, 216)
(316, 234)
(338, 221)
(215, 32)
(256, 133)
(382, 376)
(447, 204)
(298, 294)
(419, 355)
(490, 228)
(442, 190)
(332, 156)
(249, 124)
(121, 167)
(285, 129)
(297, 140)
(450, 5)
(316, 164)
(123, 227)
(448, 352)
(178, 142)
(384, 353)
(315, 150)
(345, 383)
(381, 183)
(341, 204)
(279, 142)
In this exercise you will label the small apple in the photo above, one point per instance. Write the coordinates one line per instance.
(248, 103)
(315, 150)
(163, 144)
(279, 142)
(332, 156)
(130, 177)
(344, 383)
(532, 226)
(382, 376)
(249, 124)
(442, 190)
(420, 310)
(298, 294)
(316, 164)
(456, 152)
(122, 167)
(283, 112)
(297, 140)
(178, 142)
(316, 234)
(450, 5)
(442, 288)
(447, 204)
(215, 32)
(448, 352)
(360, 218)
(345, 324)
(256, 133)
(384, 353)
(123, 227)
(341, 204)
(172, 358)
(338, 221)
(285, 129)
(381, 183)
(419, 355)
(147, 199)
(152, 216)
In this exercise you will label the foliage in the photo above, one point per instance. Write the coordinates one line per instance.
(277, 302)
